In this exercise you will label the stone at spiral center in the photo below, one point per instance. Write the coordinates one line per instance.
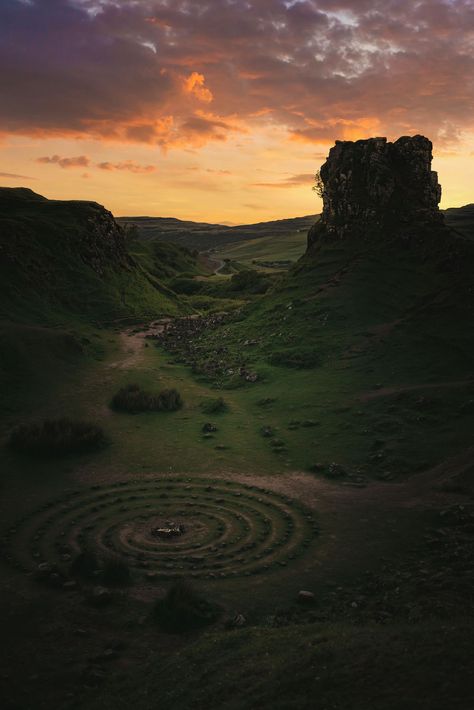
(168, 530)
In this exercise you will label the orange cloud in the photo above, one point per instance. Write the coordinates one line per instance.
(194, 84)
(80, 161)
(127, 165)
(341, 128)
(293, 181)
(14, 176)
(322, 69)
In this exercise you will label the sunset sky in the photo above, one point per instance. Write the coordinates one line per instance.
(222, 110)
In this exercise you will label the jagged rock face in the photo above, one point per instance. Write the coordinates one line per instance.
(102, 241)
(373, 187)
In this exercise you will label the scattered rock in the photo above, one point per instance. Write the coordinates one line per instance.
(305, 597)
(238, 621)
(71, 584)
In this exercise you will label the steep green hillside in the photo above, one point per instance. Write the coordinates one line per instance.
(362, 352)
(65, 269)
(164, 260)
(63, 259)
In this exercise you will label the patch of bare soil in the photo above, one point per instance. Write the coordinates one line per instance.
(132, 342)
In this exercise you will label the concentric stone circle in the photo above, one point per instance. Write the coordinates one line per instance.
(229, 528)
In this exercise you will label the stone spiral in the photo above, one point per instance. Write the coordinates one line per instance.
(226, 528)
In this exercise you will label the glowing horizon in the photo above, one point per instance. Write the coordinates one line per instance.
(223, 111)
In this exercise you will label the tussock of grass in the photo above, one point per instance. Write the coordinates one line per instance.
(57, 437)
(133, 399)
(214, 406)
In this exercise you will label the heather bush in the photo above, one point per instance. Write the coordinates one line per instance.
(133, 399)
(214, 406)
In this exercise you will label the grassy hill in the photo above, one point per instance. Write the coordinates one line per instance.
(254, 245)
(70, 258)
(355, 338)
(205, 237)
(324, 444)
(64, 270)
(266, 252)
(461, 220)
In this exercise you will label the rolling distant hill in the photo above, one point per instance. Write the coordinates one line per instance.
(205, 237)
(254, 244)
(461, 219)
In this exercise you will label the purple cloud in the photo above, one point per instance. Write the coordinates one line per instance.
(142, 72)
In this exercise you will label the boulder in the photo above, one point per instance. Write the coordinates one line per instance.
(305, 597)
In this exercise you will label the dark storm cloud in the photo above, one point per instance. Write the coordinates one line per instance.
(182, 72)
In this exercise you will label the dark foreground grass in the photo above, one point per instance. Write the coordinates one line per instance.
(214, 406)
(183, 609)
(111, 570)
(310, 667)
(57, 437)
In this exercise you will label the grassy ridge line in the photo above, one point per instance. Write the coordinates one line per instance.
(204, 237)
(281, 240)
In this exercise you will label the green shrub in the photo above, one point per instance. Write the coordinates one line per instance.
(214, 406)
(56, 437)
(133, 399)
(183, 609)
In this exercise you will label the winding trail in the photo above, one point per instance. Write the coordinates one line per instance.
(133, 341)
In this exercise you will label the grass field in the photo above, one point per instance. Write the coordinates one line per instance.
(340, 463)
(288, 248)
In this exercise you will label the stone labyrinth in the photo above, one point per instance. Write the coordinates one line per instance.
(228, 529)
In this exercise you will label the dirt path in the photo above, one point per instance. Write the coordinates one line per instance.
(212, 262)
(132, 343)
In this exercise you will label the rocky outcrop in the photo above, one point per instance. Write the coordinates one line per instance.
(59, 257)
(80, 229)
(373, 187)
(101, 240)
